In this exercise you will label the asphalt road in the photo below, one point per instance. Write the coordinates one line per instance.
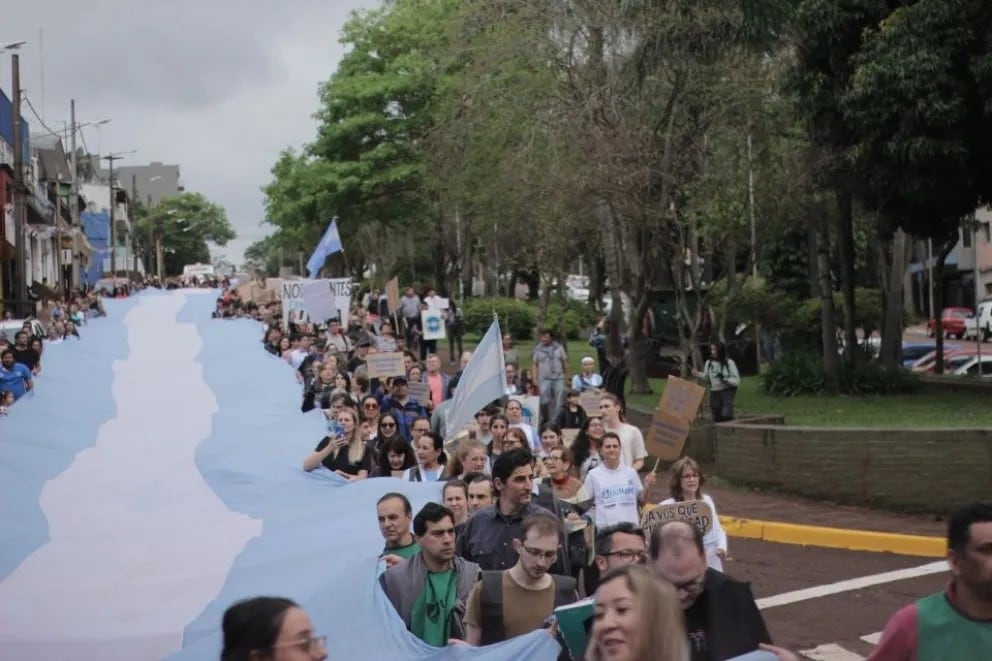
(834, 623)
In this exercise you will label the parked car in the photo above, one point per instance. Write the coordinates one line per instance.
(10, 327)
(929, 361)
(971, 365)
(980, 324)
(952, 320)
(913, 352)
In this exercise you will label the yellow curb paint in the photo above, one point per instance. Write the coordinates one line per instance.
(836, 538)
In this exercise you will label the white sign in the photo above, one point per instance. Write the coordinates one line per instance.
(530, 406)
(433, 324)
(341, 288)
(293, 307)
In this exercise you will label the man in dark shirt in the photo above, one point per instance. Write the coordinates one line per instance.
(24, 354)
(487, 538)
(721, 618)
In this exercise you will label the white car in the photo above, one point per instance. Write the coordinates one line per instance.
(970, 367)
(10, 328)
(980, 323)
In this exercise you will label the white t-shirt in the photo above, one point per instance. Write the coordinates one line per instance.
(715, 539)
(615, 493)
(631, 443)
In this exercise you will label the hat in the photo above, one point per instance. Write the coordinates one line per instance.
(588, 360)
(400, 379)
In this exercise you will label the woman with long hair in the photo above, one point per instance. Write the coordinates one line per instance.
(585, 449)
(342, 451)
(687, 484)
(470, 457)
(395, 457)
(637, 618)
(722, 378)
(269, 628)
(429, 448)
(454, 496)
(498, 426)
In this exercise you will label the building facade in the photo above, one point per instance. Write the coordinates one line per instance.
(152, 183)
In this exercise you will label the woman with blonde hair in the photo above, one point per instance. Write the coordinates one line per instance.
(470, 457)
(687, 484)
(637, 618)
(342, 450)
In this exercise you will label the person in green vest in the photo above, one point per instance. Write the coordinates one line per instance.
(429, 591)
(395, 514)
(955, 623)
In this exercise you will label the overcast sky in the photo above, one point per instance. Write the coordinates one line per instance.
(218, 88)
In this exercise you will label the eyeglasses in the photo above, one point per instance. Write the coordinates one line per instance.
(310, 645)
(693, 586)
(388, 425)
(370, 407)
(628, 555)
(420, 430)
(539, 554)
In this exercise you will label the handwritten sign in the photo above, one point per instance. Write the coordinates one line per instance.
(385, 364)
(419, 391)
(293, 307)
(530, 406)
(695, 512)
(666, 436)
(589, 400)
(682, 398)
(568, 436)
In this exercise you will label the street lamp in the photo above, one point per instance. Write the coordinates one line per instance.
(12, 46)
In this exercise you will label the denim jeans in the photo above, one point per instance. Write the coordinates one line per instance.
(552, 393)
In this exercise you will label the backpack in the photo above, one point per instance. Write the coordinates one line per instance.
(415, 475)
(491, 602)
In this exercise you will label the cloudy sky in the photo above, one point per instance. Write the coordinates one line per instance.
(218, 88)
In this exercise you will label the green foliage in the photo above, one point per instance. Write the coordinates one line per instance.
(186, 223)
(515, 317)
(578, 317)
(801, 373)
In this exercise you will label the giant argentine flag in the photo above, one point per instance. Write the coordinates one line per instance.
(483, 380)
(154, 478)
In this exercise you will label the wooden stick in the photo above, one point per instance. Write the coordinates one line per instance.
(654, 470)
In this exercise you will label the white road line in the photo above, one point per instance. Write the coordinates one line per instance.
(830, 652)
(851, 584)
(872, 638)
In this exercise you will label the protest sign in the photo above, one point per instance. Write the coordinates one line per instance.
(393, 295)
(531, 406)
(682, 398)
(419, 391)
(695, 512)
(341, 289)
(666, 436)
(568, 436)
(293, 307)
(381, 365)
(589, 401)
(433, 324)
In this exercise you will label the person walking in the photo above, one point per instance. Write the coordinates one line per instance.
(722, 378)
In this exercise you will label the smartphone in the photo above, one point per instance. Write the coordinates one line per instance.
(334, 429)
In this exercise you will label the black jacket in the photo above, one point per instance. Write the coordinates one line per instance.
(734, 625)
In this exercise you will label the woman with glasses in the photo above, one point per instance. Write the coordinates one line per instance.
(270, 628)
(687, 484)
(637, 618)
(395, 457)
(565, 485)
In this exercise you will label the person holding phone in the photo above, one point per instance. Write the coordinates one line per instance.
(342, 450)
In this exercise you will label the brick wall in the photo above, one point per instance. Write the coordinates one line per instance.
(931, 470)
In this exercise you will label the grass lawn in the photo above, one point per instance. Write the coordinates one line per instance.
(923, 410)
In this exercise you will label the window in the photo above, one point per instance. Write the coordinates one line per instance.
(965, 237)
(987, 229)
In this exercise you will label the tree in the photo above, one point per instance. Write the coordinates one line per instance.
(184, 225)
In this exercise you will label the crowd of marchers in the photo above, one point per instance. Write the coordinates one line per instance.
(525, 523)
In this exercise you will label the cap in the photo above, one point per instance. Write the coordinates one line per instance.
(400, 379)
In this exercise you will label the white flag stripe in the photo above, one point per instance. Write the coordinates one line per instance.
(481, 382)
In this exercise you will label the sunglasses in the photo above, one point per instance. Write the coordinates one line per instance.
(388, 425)
(371, 407)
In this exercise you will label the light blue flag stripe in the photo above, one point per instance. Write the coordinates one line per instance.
(329, 244)
(483, 380)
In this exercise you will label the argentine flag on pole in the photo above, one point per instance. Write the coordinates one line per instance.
(482, 382)
(329, 244)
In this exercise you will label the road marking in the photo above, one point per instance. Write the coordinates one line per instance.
(872, 638)
(851, 584)
(831, 652)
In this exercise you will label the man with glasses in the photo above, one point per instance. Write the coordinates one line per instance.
(518, 600)
(721, 617)
(619, 545)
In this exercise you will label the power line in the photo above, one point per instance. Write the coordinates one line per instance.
(38, 117)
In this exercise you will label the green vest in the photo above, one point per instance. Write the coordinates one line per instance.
(943, 633)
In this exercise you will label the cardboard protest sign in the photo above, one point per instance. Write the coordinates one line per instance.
(293, 307)
(393, 295)
(568, 436)
(419, 391)
(666, 436)
(385, 364)
(696, 512)
(589, 401)
(433, 324)
(682, 398)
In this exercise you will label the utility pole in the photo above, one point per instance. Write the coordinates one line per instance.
(159, 228)
(74, 192)
(58, 235)
(110, 158)
(22, 276)
(134, 219)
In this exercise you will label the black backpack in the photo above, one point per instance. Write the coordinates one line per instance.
(491, 603)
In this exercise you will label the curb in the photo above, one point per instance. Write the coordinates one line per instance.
(835, 538)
